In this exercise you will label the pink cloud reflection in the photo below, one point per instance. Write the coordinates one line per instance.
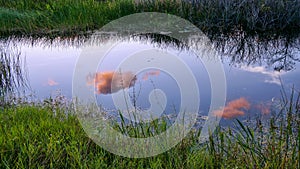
(52, 82)
(233, 109)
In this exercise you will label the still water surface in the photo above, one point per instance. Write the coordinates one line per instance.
(252, 89)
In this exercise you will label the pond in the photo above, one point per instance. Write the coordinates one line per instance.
(255, 82)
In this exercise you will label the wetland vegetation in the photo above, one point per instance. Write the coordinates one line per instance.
(47, 133)
(213, 17)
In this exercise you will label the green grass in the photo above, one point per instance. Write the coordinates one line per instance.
(48, 17)
(32, 136)
(48, 135)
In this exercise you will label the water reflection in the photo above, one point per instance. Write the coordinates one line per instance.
(111, 82)
(278, 52)
(272, 76)
(52, 82)
(12, 72)
(233, 109)
(151, 73)
(265, 108)
(254, 67)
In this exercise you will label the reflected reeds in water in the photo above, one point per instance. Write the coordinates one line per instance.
(240, 49)
(281, 53)
(276, 52)
(12, 72)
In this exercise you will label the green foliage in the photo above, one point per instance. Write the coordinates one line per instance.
(211, 16)
(48, 135)
(33, 136)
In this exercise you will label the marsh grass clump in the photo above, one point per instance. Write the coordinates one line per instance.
(59, 17)
(34, 135)
(213, 17)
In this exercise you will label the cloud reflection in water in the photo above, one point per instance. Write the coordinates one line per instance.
(233, 109)
(52, 82)
(109, 82)
(274, 76)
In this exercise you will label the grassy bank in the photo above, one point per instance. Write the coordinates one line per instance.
(42, 135)
(67, 17)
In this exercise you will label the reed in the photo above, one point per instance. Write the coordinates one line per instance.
(265, 17)
(48, 134)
